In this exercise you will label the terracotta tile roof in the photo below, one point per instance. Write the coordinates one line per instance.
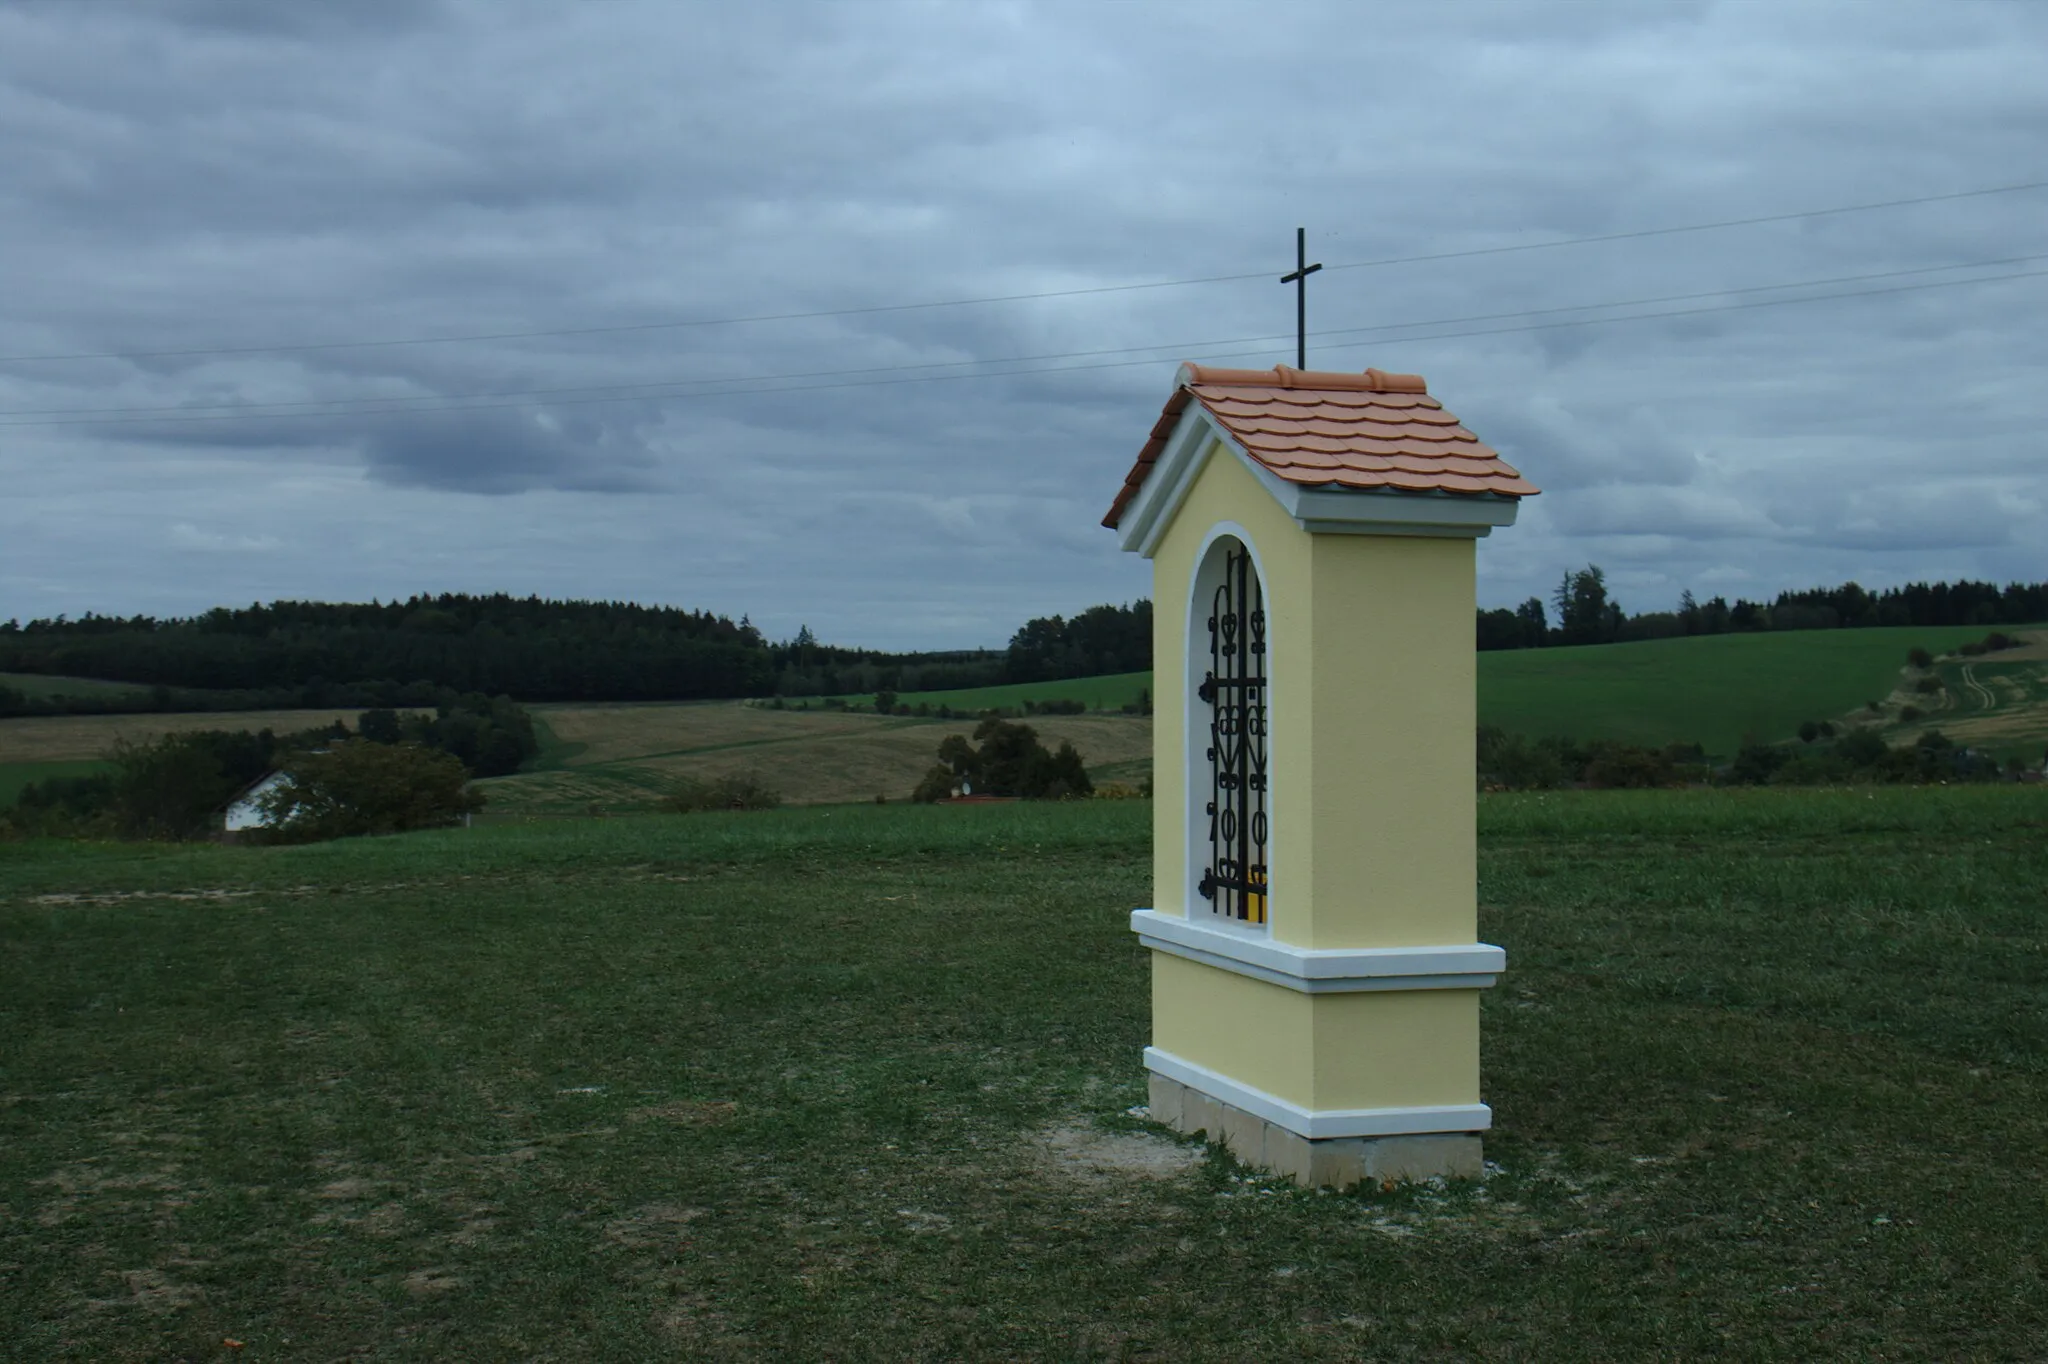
(1327, 430)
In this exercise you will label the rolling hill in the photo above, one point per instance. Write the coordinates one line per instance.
(1712, 690)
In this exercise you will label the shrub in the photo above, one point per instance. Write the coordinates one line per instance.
(1920, 658)
(1929, 686)
(1908, 714)
(1860, 748)
(1756, 763)
(733, 791)
(937, 785)
(359, 787)
(1627, 767)
(1511, 762)
(1117, 790)
(1812, 768)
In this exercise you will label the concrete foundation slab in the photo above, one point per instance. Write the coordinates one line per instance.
(1336, 1162)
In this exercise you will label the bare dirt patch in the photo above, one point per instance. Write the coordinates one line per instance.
(151, 1290)
(1081, 1152)
(686, 1113)
(428, 1283)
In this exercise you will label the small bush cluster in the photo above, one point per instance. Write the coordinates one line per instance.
(1118, 790)
(733, 791)
(1822, 757)
(1005, 759)
(1990, 644)
(1512, 763)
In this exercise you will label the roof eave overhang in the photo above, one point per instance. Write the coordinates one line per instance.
(1322, 511)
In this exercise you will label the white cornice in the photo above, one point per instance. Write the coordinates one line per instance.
(1319, 1124)
(1326, 511)
(1321, 970)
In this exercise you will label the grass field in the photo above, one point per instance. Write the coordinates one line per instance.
(1769, 1069)
(1112, 691)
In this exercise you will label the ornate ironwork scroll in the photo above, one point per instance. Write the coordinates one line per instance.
(1235, 689)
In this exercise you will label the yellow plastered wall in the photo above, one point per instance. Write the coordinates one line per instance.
(1371, 749)
(1396, 1049)
(1258, 1034)
(1389, 788)
(1373, 1049)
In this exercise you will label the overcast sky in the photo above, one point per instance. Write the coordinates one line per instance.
(256, 178)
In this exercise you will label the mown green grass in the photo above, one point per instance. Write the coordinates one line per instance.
(1112, 691)
(15, 776)
(1769, 1068)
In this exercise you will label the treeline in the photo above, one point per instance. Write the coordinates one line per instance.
(1582, 611)
(537, 650)
(399, 654)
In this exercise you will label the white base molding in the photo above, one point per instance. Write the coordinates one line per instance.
(1319, 970)
(1318, 1124)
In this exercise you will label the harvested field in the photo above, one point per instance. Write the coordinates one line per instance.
(81, 738)
(631, 755)
(590, 734)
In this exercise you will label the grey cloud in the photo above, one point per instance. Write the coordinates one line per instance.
(502, 452)
(245, 173)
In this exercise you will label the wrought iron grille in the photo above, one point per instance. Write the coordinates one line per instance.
(1235, 689)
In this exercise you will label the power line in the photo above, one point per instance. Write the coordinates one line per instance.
(873, 381)
(1024, 297)
(383, 404)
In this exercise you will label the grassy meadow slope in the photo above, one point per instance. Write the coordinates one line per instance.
(41, 686)
(784, 1086)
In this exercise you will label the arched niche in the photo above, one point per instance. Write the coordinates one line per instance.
(1228, 681)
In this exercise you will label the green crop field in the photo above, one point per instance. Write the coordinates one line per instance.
(38, 685)
(1712, 690)
(1769, 1071)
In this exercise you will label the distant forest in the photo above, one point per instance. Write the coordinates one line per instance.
(317, 654)
(1583, 612)
(404, 653)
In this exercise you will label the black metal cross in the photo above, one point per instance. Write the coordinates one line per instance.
(1299, 279)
